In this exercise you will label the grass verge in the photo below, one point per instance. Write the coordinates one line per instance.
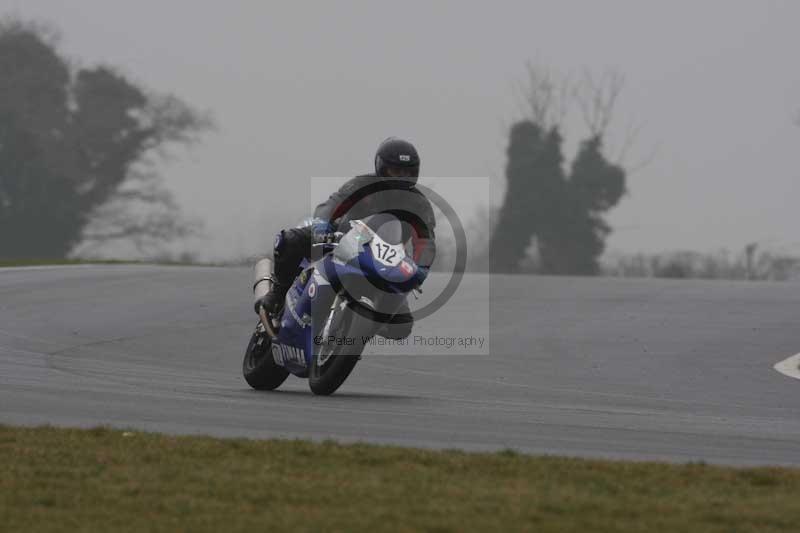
(108, 480)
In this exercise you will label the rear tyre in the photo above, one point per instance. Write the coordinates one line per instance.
(333, 361)
(259, 368)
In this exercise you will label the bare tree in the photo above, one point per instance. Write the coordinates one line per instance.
(143, 214)
(547, 96)
(560, 210)
(596, 97)
(142, 211)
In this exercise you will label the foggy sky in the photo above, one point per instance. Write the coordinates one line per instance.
(310, 89)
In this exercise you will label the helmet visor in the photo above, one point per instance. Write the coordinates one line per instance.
(393, 171)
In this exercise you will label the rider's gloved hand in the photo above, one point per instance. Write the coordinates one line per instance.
(321, 230)
(422, 273)
(272, 301)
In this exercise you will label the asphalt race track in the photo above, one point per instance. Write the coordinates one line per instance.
(636, 369)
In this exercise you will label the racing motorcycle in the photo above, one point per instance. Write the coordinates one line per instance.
(337, 303)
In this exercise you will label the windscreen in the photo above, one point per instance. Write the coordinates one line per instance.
(388, 227)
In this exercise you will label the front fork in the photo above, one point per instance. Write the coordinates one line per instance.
(338, 304)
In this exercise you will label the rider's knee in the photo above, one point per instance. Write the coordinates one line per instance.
(292, 238)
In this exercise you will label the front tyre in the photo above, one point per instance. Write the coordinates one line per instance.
(333, 361)
(259, 368)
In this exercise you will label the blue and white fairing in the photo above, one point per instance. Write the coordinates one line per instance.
(382, 260)
(293, 345)
(368, 261)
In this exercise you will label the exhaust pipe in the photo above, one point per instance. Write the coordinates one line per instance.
(262, 284)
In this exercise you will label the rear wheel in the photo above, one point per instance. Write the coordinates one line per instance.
(333, 361)
(259, 368)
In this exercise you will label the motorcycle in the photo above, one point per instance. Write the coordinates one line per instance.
(334, 307)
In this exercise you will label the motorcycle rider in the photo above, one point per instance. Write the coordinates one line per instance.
(391, 189)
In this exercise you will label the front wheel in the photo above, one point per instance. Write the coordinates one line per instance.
(259, 368)
(334, 359)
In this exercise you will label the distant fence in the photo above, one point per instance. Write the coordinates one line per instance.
(748, 265)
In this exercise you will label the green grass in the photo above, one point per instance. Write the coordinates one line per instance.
(108, 480)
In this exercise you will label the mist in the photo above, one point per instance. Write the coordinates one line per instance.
(298, 92)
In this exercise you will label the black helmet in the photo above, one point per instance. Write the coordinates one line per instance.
(397, 158)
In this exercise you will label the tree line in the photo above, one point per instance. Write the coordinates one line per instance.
(78, 149)
(558, 211)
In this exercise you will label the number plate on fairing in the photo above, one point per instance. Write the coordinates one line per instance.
(387, 254)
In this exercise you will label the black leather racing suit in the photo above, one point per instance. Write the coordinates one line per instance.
(358, 198)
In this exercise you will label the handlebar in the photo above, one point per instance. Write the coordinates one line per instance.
(329, 239)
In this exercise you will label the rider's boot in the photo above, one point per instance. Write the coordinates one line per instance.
(291, 246)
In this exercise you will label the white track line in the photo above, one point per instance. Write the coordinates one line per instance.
(789, 367)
